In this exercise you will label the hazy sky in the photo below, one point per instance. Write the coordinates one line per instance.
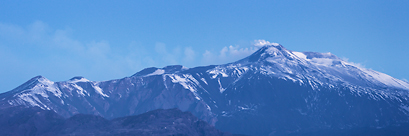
(103, 40)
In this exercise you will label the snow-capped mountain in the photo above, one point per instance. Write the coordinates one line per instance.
(272, 91)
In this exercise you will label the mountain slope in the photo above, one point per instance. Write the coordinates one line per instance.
(35, 121)
(272, 91)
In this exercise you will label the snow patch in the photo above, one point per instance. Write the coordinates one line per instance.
(204, 80)
(208, 107)
(157, 72)
(218, 71)
(405, 109)
(184, 68)
(221, 87)
(99, 90)
(80, 90)
(186, 81)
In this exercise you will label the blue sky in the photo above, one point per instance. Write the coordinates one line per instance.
(103, 40)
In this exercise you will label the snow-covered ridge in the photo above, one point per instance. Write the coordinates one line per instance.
(29, 96)
(322, 68)
(384, 79)
(45, 88)
(331, 61)
(73, 82)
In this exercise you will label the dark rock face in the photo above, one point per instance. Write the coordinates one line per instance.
(272, 92)
(22, 121)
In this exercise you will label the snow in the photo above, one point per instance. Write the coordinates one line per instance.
(48, 86)
(184, 68)
(315, 72)
(405, 109)
(217, 71)
(45, 81)
(220, 86)
(204, 80)
(272, 51)
(300, 55)
(29, 96)
(319, 69)
(187, 81)
(208, 107)
(384, 79)
(243, 108)
(157, 72)
(80, 90)
(99, 90)
(288, 77)
(30, 99)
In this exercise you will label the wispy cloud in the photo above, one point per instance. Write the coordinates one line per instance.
(189, 55)
(38, 49)
(353, 63)
(232, 53)
(227, 54)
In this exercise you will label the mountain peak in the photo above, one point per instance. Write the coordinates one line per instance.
(78, 79)
(41, 80)
(36, 78)
(270, 51)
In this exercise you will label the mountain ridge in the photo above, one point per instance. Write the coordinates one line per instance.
(266, 86)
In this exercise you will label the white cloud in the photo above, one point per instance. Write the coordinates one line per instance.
(160, 48)
(189, 54)
(208, 57)
(98, 50)
(260, 43)
(227, 54)
(233, 53)
(38, 49)
(11, 31)
(170, 58)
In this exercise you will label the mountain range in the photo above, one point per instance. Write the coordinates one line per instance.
(274, 91)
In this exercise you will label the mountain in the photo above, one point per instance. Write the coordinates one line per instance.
(35, 121)
(274, 91)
